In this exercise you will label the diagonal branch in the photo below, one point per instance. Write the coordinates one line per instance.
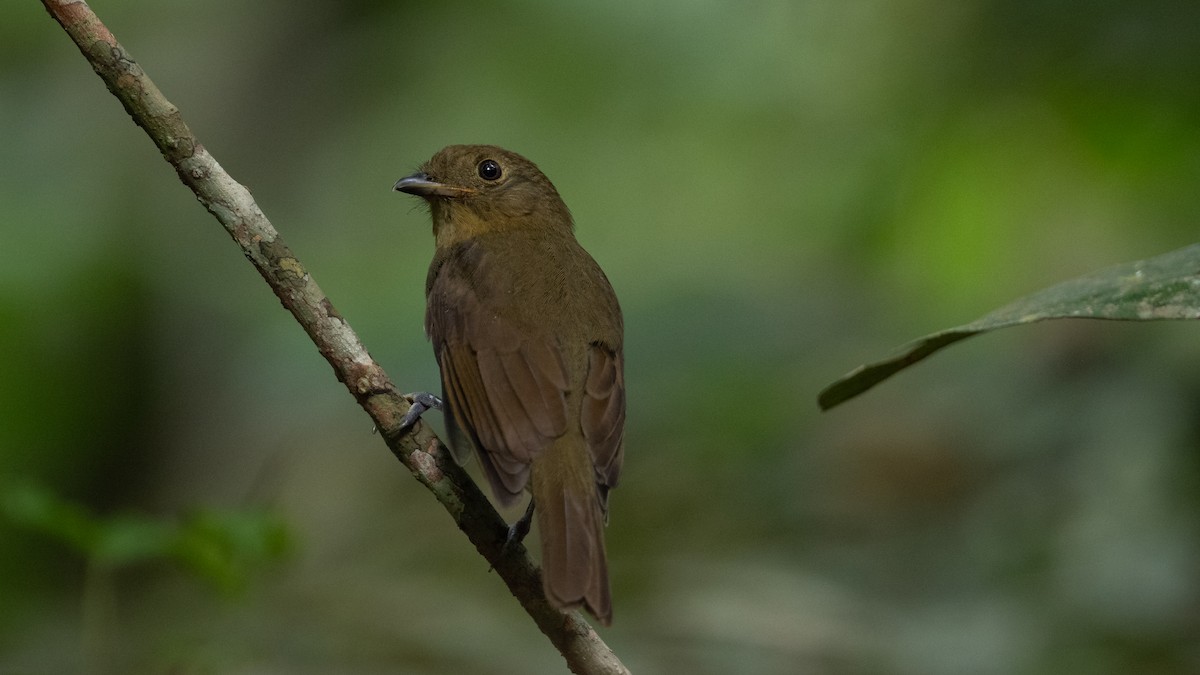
(421, 452)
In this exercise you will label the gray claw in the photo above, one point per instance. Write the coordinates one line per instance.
(421, 401)
(518, 530)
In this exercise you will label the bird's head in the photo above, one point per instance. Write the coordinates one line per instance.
(469, 187)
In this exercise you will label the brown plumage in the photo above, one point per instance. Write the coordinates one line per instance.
(528, 335)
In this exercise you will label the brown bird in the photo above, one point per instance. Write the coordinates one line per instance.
(528, 335)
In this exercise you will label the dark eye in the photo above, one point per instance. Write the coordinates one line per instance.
(489, 169)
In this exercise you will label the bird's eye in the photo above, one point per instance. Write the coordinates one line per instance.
(489, 169)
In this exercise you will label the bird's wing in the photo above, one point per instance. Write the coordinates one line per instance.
(603, 416)
(505, 392)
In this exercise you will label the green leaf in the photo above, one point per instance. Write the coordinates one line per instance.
(223, 548)
(227, 547)
(1163, 287)
(127, 539)
(39, 509)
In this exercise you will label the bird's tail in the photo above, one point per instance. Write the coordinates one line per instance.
(571, 524)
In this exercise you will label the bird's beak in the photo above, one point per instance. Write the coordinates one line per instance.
(422, 185)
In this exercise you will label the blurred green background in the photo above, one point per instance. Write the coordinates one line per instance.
(778, 192)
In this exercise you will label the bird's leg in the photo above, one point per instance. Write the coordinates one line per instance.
(518, 530)
(421, 401)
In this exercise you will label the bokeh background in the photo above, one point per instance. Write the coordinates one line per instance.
(778, 190)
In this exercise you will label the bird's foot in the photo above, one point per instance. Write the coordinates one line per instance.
(421, 401)
(518, 530)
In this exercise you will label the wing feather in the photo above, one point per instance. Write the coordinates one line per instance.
(603, 415)
(505, 389)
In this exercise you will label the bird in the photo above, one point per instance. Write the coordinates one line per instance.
(529, 340)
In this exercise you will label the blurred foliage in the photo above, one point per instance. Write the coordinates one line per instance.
(220, 547)
(776, 189)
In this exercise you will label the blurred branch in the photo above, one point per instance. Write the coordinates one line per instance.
(421, 451)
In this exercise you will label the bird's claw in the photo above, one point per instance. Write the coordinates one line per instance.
(518, 530)
(421, 401)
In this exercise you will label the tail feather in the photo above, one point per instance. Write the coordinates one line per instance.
(574, 564)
